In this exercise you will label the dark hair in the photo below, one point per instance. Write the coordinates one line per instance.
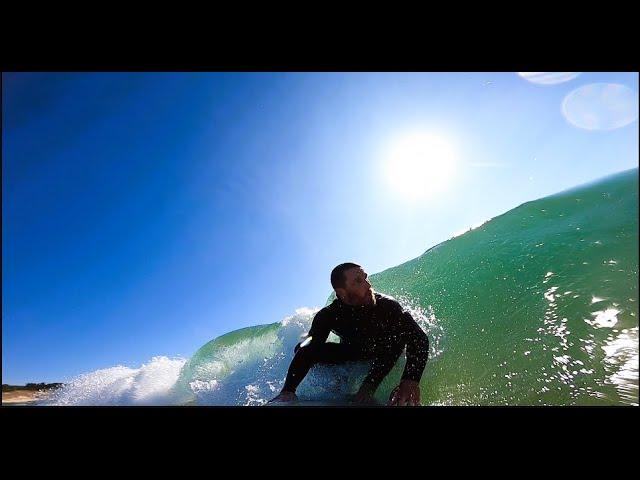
(337, 274)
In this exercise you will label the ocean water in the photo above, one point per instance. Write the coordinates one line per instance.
(538, 306)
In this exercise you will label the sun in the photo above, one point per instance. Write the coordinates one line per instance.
(420, 165)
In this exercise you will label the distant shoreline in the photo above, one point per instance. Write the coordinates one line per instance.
(27, 394)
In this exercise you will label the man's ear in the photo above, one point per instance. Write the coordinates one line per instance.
(340, 293)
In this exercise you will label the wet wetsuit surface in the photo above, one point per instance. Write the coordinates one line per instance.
(377, 332)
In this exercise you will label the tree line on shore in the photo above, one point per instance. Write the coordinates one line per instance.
(30, 386)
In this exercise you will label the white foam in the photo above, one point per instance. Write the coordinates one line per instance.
(606, 318)
(149, 384)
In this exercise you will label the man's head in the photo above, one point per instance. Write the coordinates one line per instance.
(350, 282)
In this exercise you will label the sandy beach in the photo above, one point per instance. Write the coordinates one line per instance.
(23, 397)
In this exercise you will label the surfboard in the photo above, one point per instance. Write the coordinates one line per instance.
(338, 402)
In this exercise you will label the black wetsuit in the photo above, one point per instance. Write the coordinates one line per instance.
(377, 332)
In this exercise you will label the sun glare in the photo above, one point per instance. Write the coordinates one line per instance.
(420, 165)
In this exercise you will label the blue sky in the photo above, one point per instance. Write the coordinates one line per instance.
(144, 214)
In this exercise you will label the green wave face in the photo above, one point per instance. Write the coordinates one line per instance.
(538, 306)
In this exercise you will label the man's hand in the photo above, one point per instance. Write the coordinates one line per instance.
(285, 397)
(364, 395)
(407, 393)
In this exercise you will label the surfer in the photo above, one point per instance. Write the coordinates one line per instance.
(371, 326)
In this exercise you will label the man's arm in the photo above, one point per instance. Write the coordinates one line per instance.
(320, 328)
(380, 368)
(409, 334)
(417, 347)
(319, 331)
(408, 391)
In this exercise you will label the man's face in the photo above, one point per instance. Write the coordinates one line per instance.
(357, 289)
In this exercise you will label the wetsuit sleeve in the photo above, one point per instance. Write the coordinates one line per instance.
(403, 332)
(381, 367)
(417, 344)
(320, 328)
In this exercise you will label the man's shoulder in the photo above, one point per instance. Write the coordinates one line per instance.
(389, 304)
(327, 311)
(387, 300)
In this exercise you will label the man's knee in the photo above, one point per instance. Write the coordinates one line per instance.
(304, 343)
(307, 351)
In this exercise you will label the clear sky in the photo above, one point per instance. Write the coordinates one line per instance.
(144, 214)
